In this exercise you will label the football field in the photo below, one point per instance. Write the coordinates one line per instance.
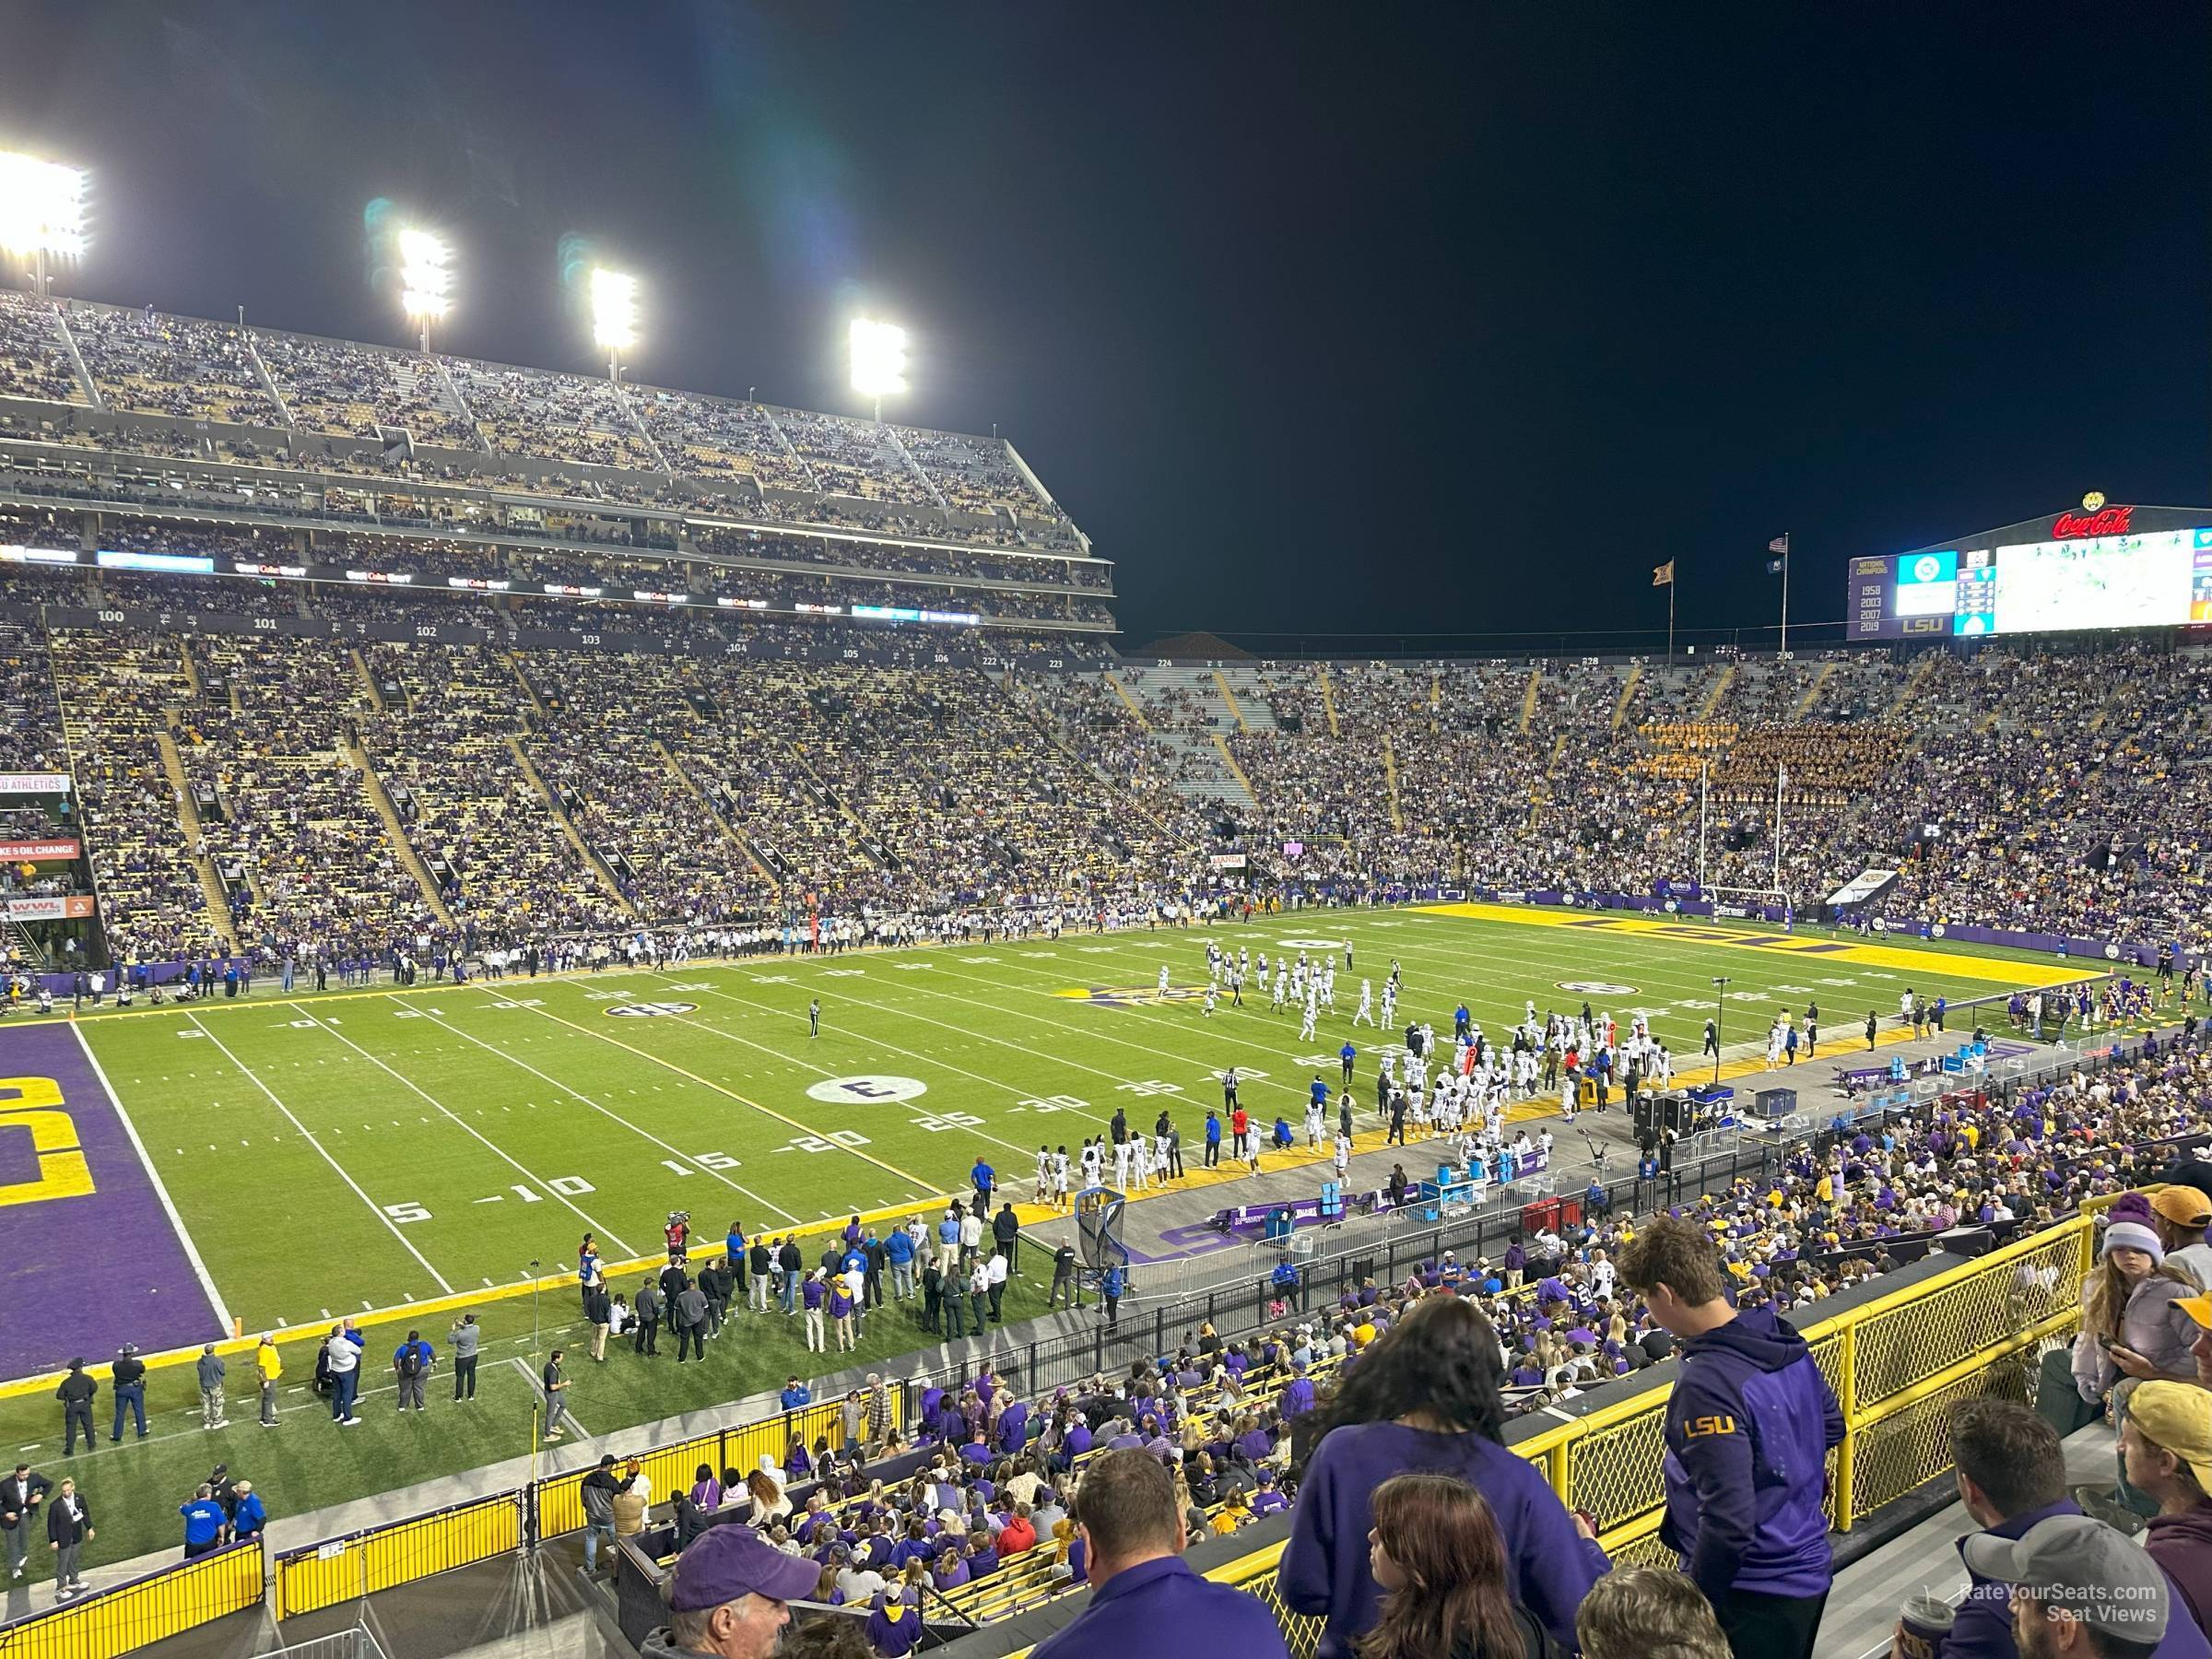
(279, 1162)
(355, 1150)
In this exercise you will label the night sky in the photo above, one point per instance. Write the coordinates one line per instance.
(1391, 320)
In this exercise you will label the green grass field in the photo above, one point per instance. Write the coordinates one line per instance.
(351, 1151)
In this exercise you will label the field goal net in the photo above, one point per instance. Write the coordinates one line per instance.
(1735, 903)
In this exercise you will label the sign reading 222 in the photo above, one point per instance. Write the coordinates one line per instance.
(34, 1103)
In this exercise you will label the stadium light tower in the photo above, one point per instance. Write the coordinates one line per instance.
(425, 280)
(41, 211)
(878, 360)
(614, 316)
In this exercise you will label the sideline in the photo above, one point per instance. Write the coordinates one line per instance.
(1029, 1214)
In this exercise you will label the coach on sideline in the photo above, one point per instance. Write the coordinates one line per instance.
(1747, 1432)
(1145, 1599)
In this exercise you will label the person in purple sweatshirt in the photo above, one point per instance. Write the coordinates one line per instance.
(1747, 1432)
(1425, 1397)
(1298, 1393)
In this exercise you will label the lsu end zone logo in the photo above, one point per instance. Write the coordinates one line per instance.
(866, 1091)
(652, 1010)
(1595, 988)
(1133, 997)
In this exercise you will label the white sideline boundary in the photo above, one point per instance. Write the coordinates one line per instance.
(169, 1206)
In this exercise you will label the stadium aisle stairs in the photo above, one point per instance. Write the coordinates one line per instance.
(1213, 775)
(188, 818)
(1248, 697)
(1328, 699)
(1905, 693)
(690, 786)
(1806, 703)
(1135, 709)
(88, 389)
(568, 829)
(403, 849)
(1717, 691)
(1627, 695)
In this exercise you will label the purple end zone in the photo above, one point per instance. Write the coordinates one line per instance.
(82, 1272)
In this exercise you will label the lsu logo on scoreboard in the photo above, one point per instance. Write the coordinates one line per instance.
(34, 1104)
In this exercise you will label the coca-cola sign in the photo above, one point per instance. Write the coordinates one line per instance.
(2081, 526)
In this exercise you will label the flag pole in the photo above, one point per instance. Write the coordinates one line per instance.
(1670, 624)
(1785, 596)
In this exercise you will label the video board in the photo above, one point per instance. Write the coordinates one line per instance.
(2159, 579)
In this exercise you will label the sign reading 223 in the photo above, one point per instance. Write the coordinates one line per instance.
(34, 1103)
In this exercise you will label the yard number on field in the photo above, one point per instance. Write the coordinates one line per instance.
(1052, 1103)
(830, 1140)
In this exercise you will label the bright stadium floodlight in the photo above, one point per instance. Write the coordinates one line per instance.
(614, 316)
(424, 281)
(878, 360)
(41, 211)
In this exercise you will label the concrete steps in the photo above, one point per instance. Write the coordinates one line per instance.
(355, 755)
(1628, 694)
(188, 820)
(575, 840)
(690, 787)
(1717, 691)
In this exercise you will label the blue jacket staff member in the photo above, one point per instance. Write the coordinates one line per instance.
(1145, 1599)
(1748, 1433)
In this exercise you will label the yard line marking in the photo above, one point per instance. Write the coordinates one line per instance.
(538, 1388)
(732, 1094)
(495, 1150)
(248, 1071)
(445, 1024)
(1059, 1060)
(892, 1048)
(160, 1191)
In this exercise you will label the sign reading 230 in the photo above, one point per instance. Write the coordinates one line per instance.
(34, 1103)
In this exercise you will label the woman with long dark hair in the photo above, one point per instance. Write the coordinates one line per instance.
(1435, 1551)
(1424, 1398)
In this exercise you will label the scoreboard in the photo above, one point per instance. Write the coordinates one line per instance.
(2109, 568)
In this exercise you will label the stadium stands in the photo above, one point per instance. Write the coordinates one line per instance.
(2010, 788)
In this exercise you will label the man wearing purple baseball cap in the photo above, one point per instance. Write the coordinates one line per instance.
(727, 1596)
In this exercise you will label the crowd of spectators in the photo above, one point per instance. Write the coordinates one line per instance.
(116, 690)
(33, 362)
(151, 364)
(445, 750)
(600, 442)
(265, 745)
(2025, 788)
(342, 390)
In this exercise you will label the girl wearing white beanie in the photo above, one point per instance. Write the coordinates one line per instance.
(2131, 1329)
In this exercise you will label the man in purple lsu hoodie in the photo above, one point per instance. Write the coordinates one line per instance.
(1747, 1432)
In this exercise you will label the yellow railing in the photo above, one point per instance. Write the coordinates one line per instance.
(378, 1558)
(1896, 1365)
(143, 1611)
